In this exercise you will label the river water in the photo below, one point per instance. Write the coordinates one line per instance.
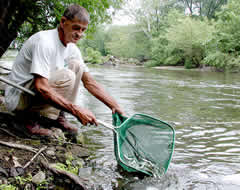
(204, 109)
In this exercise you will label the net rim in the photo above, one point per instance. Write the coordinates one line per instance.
(118, 143)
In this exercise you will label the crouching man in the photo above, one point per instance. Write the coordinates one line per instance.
(51, 65)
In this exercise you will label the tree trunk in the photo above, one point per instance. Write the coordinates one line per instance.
(12, 15)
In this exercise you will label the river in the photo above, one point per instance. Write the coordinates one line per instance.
(204, 109)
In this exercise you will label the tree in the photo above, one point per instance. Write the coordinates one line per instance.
(206, 8)
(183, 43)
(96, 40)
(189, 37)
(125, 41)
(12, 15)
(44, 14)
(150, 15)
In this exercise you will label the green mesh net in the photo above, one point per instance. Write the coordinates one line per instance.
(143, 144)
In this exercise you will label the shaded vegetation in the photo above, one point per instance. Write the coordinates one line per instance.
(25, 17)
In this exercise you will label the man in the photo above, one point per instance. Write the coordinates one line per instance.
(50, 64)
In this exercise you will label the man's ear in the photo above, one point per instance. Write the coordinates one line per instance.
(62, 21)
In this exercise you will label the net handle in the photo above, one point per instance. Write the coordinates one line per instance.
(17, 86)
(107, 125)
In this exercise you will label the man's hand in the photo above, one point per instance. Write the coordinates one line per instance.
(118, 110)
(52, 97)
(85, 116)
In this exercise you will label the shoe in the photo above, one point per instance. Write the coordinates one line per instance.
(65, 125)
(35, 129)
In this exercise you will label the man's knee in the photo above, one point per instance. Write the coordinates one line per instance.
(63, 77)
(76, 66)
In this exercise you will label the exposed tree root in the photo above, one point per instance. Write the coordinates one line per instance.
(77, 180)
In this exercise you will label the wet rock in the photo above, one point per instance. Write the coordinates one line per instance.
(109, 63)
(85, 172)
(51, 152)
(39, 177)
(13, 172)
(16, 171)
(140, 63)
(3, 172)
(78, 163)
(28, 186)
(20, 170)
(80, 151)
(60, 149)
(3, 181)
(58, 134)
(60, 154)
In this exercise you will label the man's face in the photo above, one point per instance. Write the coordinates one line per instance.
(73, 30)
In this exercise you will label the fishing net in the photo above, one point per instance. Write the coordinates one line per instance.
(143, 144)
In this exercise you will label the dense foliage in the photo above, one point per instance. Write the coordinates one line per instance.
(167, 33)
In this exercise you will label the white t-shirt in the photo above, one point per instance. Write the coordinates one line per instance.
(42, 54)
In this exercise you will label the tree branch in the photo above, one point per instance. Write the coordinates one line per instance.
(41, 150)
(19, 146)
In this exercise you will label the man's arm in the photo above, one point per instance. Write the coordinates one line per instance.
(98, 91)
(53, 98)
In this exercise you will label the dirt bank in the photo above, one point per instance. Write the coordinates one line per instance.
(28, 162)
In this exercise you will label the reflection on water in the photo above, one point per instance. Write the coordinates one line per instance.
(204, 109)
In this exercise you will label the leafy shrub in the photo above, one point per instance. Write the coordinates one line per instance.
(128, 42)
(151, 63)
(159, 50)
(222, 61)
(223, 50)
(189, 37)
(93, 56)
(183, 42)
(7, 187)
(174, 59)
